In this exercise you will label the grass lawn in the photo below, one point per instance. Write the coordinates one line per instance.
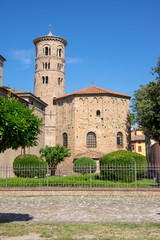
(107, 231)
(73, 181)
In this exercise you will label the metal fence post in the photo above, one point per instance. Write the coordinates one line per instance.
(90, 168)
(135, 175)
(6, 174)
(47, 175)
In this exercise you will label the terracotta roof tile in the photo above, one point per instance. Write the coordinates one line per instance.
(137, 138)
(92, 90)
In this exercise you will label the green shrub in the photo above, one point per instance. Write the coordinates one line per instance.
(28, 165)
(113, 166)
(84, 165)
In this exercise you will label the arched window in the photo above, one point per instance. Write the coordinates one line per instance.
(60, 80)
(46, 51)
(65, 140)
(91, 140)
(119, 139)
(98, 113)
(59, 52)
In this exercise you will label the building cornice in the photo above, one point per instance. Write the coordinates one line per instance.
(49, 38)
(50, 58)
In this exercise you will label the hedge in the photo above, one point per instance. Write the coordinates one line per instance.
(83, 164)
(29, 165)
(120, 165)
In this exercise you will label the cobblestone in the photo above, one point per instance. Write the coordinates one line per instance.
(67, 209)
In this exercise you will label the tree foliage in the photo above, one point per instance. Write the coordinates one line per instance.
(132, 119)
(54, 155)
(146, 104)
(19, 127)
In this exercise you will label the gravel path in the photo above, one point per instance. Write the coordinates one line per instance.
(71, 209)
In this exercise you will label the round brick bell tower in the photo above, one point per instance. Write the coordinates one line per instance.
(49, 81)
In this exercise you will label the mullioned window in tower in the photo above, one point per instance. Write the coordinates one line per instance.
(46, 51)
(45, 79)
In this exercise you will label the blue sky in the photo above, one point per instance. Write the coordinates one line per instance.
(113, 43)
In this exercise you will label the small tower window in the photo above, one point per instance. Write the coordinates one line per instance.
(65, 140)
(59, 52)
(59, 67)
(91, 140)
(46, 65)
(60, 80)
(45, 80)
(98, 113)
(119, 139)
(46, 51)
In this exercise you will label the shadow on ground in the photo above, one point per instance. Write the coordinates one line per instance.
(11, 217)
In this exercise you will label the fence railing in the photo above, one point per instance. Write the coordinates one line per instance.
(107, 176)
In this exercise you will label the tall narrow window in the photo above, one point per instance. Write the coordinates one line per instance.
(46, 51)
(91, 140)
(119, 139)
(139, 149)
(59, 52)
(65, 140)
(59, 67)
(45, 80)
(60, 80)
(98, 113)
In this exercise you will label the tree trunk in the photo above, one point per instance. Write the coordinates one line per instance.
(53, 169)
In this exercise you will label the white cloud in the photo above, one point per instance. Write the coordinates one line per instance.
(73, 60)
(24, 56)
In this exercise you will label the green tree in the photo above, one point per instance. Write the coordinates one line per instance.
(54, 155)
(19, 127)
(146, 105)
(133, 119)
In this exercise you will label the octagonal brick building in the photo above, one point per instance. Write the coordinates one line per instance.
(90, 122)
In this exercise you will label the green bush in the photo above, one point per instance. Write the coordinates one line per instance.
(84, 165)
(28, 165)
(113, 166)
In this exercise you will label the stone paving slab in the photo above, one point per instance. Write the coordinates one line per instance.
(72, 209)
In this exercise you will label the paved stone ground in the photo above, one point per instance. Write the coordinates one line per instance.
(67, 209)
